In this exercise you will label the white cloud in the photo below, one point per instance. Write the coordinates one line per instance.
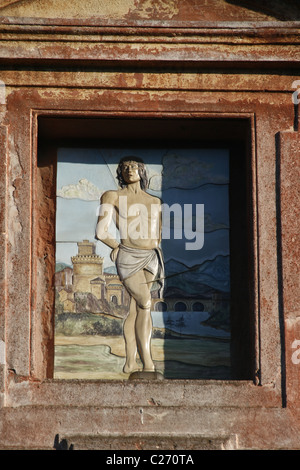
(155, 182)
(84, 190)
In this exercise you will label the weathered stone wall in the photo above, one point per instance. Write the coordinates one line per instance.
(176, 10)
(158, 60)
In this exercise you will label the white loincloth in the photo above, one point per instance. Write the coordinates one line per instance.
(132, 260)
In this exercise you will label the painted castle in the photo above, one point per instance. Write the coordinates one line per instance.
(85, 286)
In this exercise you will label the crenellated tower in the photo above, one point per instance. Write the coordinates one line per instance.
(87, 265)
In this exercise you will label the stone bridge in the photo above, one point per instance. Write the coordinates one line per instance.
(182, 305)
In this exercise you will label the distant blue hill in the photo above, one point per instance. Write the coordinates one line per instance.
(60, 266)
(214, 274)
(111, 270)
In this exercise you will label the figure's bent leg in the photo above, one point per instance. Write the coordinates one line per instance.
(130, 339)
(139, 288)
(143, 326)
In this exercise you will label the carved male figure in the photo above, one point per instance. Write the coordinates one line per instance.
(138, 259)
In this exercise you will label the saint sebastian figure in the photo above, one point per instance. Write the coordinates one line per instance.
(138, 259)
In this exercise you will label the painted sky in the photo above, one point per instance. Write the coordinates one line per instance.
(184, 176)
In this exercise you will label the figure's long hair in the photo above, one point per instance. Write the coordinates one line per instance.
(142, 171)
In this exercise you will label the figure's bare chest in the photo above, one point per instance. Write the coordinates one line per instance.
(130, 206)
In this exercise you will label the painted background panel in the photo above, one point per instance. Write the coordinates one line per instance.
(191, 324)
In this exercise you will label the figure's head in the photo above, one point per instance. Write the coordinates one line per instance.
(132, 169)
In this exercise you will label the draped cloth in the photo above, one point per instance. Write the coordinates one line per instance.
(132, 260)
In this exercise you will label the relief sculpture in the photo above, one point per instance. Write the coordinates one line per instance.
(142, 264)
(138, 257)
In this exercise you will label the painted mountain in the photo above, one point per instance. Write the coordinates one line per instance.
(199, 280)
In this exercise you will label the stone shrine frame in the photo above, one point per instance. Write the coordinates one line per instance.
(58, 128)
(241, 96)
(158, 133)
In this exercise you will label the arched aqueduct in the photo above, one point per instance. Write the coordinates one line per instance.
(188, 305)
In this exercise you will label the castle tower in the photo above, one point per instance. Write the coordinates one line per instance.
(86, 266)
